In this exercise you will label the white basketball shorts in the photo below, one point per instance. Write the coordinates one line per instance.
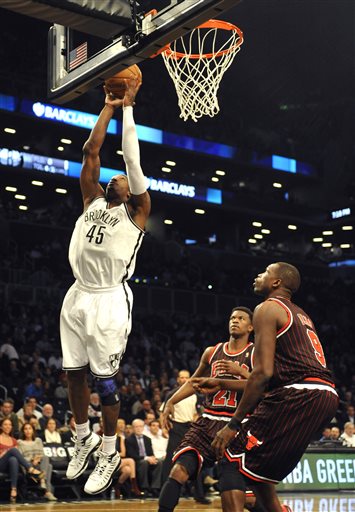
(94, 327)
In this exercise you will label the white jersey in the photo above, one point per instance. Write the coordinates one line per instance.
(104, 245)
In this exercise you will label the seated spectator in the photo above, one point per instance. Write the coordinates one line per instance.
(11, 458)
(61, 391)
(326, 434)
(159, 442)
(26, 415)
(127, 468)
(51, 434)
(34, 421)
(128, 430)
(121, 427)
(67, 432)
(94, 411)
(47, 413)
(36, 389)
(32, 400)
(348, 436)
(139, 447)
(31, 448)
(334, 433)
(150, 416)
(7, 411)
(146, 408)
(7, 349)
(347, 415)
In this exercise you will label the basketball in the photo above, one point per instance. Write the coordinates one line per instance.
(116, 84)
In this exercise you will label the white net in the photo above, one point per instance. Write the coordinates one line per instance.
(197, 62)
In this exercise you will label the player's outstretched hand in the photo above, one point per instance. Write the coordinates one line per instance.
(132, 87)
(166, 416)
(205, 385)
(111, 99)
(222, 440)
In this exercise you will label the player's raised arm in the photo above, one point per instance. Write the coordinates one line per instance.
(139, 203)
(90, 172)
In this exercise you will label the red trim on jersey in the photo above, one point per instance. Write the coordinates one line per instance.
(288, 324)
(316, 379)
(218, 413)
(214, 351)
(225, 349)
(238, 459)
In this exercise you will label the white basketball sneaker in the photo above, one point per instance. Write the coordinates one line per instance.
(101, 478)
(82, 451)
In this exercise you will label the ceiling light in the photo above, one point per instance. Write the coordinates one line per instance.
(60, 148)
(221, 173)
(61, 190)
(257, 224)
(9, 130)
(215, 179)
(166, 169)
(199, 211)
(258, 236)
(252, 241)
(66, 141)
(327, 233)
(266, 231)
(11, 189)
(345, 246)
(277, 185)
(23, 207)
(171, 163)
(19, 196)
(327, 244)
(318, 239)
(168, 221)
(347, 228)
(37, 183)
(119, 152)
(26, 148)
(292, 227)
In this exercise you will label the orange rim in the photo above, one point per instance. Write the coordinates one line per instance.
(222, 25)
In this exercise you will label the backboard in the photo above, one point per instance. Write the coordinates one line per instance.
(148, 33)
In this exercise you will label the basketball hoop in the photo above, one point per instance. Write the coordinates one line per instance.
(197, 62)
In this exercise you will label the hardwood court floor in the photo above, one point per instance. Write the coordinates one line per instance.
(340, 502)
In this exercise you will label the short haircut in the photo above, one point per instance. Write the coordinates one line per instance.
(289, 275)
(246, 310)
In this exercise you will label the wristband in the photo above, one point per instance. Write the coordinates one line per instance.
(234, 424)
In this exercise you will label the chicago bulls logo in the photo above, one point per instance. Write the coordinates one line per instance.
(252, 441)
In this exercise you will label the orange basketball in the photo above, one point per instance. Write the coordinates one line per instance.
(116, 84)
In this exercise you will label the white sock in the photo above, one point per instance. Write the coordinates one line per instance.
(82, 430)
(109, 444)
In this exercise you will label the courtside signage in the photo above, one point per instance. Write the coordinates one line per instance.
(322, 471)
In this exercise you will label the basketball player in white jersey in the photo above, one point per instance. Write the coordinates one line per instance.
(96, 313)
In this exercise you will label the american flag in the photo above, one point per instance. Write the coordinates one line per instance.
(78, 56)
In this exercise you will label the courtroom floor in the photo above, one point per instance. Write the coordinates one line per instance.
(310, 502)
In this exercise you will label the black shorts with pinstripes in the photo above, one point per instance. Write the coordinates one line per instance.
(273, 440)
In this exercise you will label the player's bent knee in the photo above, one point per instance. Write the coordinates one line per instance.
(179, 473)
(108, 391)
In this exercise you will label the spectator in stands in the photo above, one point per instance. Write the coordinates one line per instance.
(31, 448)
(32, 400)
(121, 427)
(326, 434)
(139, 447)
(7, 349)
(146, 408)
(61, 391)
(347, 415)
(348, 436)
(94, 411)
(127, 468)
(55, 360)
(128, 430)
(47, 413)
(159, 441)
(7, 411)
(51, 433)
(334, 433)
(67, 432)
(36, 389)
(150, 416)
(26, 414)
(11, 458)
